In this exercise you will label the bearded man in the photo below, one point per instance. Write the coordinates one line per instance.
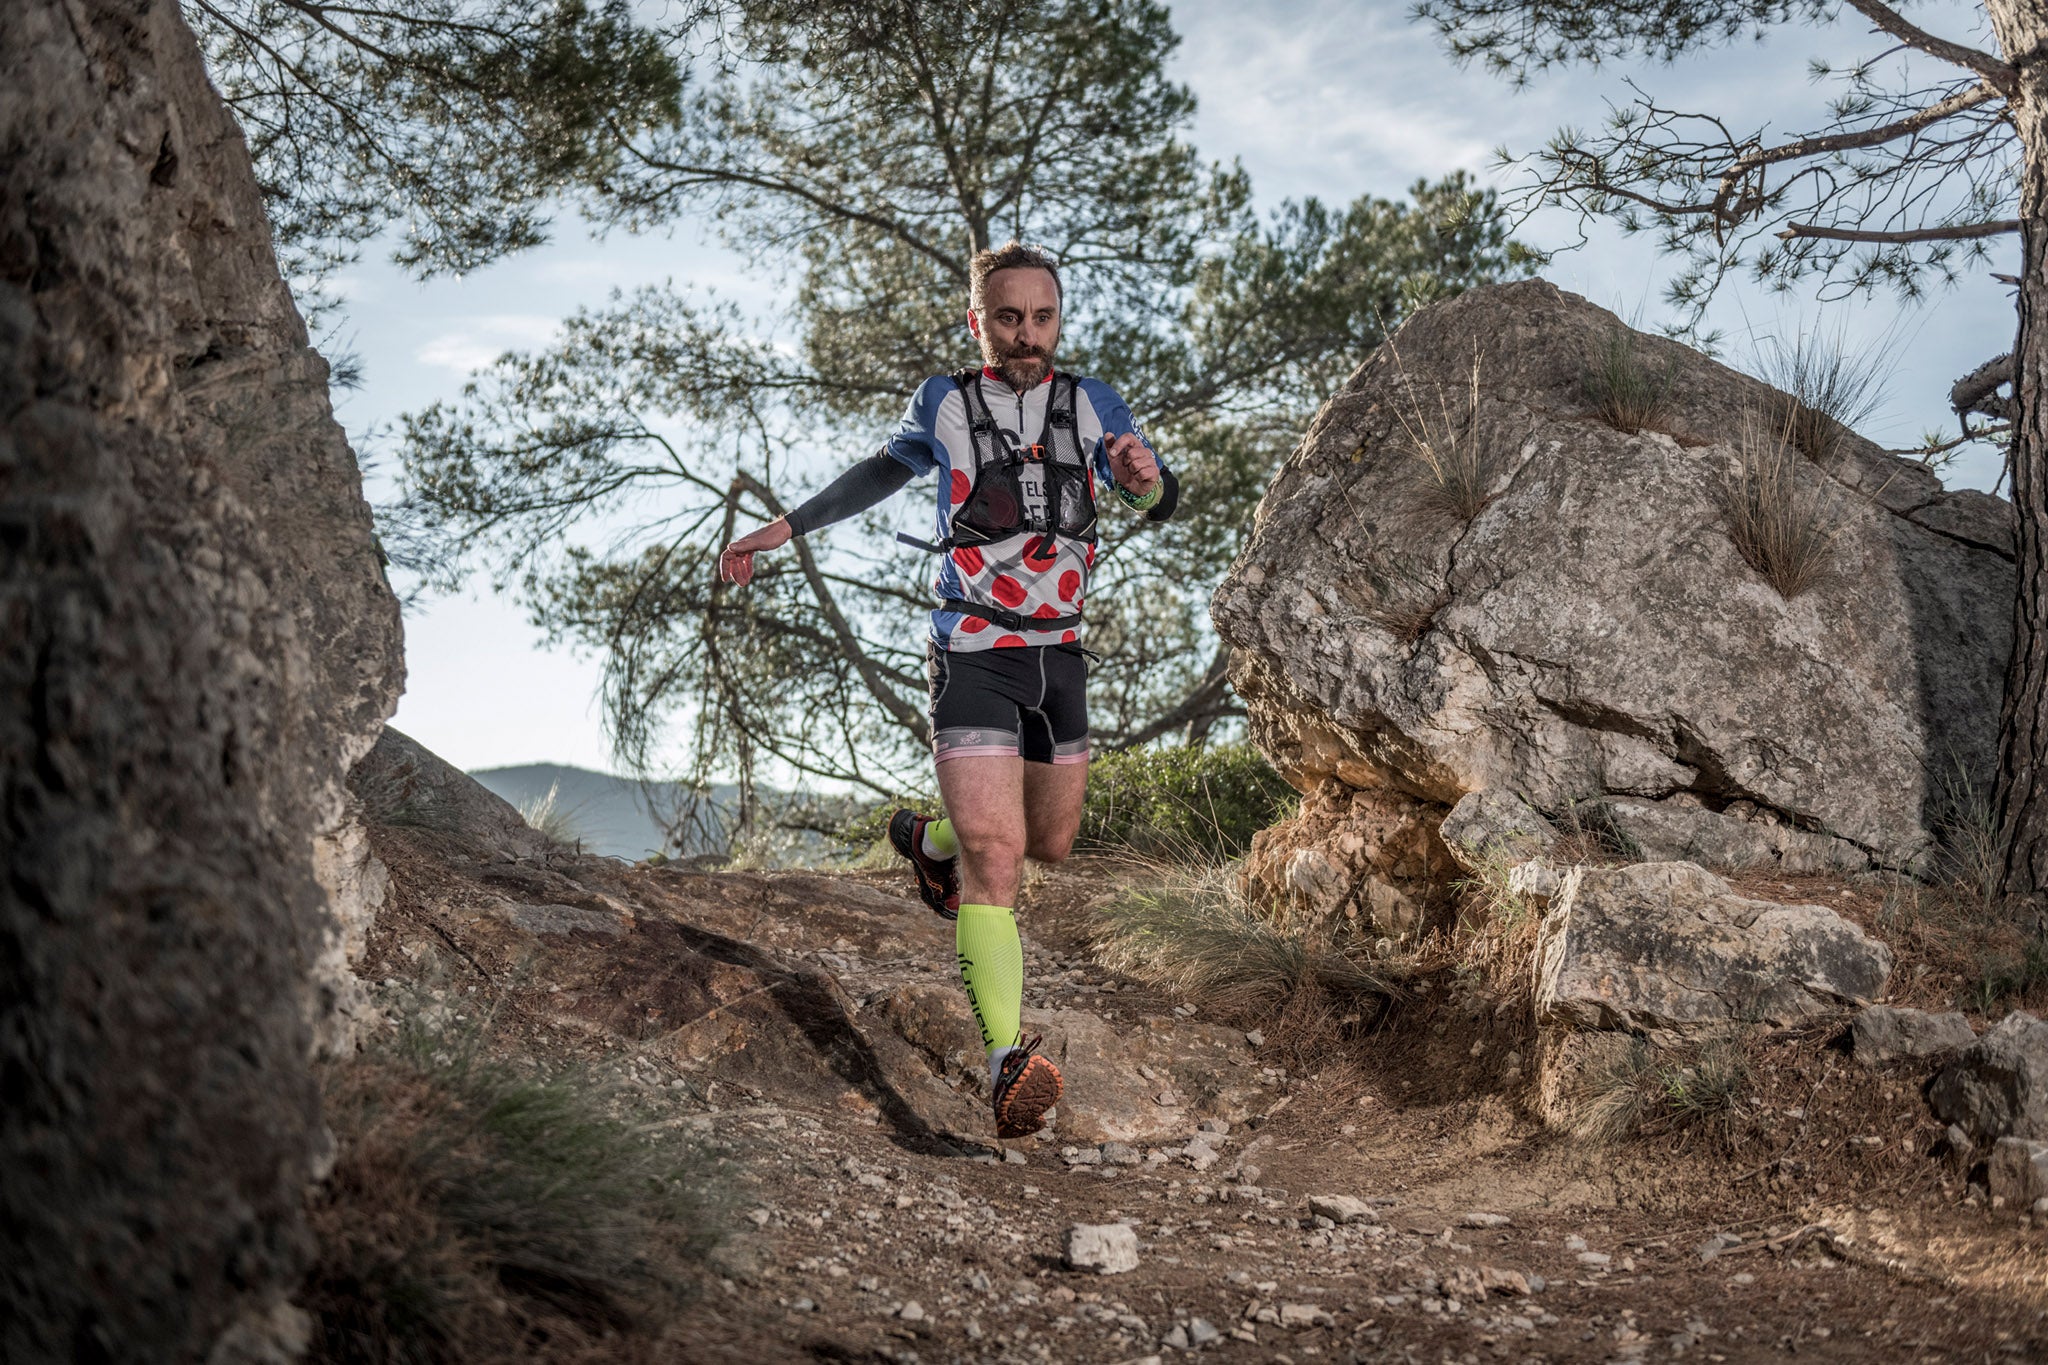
(1020, 451)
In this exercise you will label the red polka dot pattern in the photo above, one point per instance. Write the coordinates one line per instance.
(968, 559)
(1007, 591)
(1070, 583)
(960, 486)
(1010, 642)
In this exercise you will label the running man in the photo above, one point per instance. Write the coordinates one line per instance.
(1020, 452)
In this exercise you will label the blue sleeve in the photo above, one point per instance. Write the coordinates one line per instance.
(1116, 420)
(915, 442)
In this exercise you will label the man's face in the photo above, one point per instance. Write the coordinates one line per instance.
(1018, 324)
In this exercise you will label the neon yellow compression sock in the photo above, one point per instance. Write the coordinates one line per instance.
(992, 967)
(939, 841)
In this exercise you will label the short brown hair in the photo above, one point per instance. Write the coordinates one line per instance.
(1011, 255)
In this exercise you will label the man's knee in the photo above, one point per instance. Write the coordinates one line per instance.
(995, 852)
(1051, 848)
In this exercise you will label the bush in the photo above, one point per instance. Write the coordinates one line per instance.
(1199, 803)
(476, 1213)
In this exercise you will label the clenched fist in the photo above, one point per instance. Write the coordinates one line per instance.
(1132, 463)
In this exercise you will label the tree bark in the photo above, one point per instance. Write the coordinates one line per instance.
(2022, 798)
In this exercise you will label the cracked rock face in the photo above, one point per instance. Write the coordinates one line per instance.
(1669, 948)
(1592, 631)
(199, 642)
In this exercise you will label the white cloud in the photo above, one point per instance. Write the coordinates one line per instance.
(484, 339)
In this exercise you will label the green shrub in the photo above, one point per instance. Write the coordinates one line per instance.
(1200, 803)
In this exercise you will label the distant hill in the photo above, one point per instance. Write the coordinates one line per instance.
(611, 815)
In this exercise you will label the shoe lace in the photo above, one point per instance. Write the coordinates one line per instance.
(1019, 1055)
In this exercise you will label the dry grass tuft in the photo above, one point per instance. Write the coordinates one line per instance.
(1626, 389)
(1640, 1090)
(1497, 928)
(553, 821)
(1830, 388)
(1783, 519)
(1456, 467)
(479, 1214)
(1194, 932)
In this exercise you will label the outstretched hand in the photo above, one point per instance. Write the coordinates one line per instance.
(736, 561)
(1132, 463)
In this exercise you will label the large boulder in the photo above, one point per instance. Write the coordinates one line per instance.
(1671, 949)
(1998, 1087)
(1591, 631)
(199, 641)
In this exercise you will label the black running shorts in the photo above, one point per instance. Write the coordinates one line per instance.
(1030, 702)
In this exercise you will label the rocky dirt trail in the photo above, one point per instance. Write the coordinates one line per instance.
(1395, 1203)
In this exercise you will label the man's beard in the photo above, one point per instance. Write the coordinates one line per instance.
(1019, 369)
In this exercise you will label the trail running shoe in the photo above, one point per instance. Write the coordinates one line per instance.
(938, 879)
(1026, 1087)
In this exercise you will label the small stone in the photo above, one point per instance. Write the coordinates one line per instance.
(1217, 1126)
(1717, 1244)
(1105, 1248)
(1341, 1208)
(1574, 1243)
(759, 1217)
(1255, 1038)
(1300, 1315)
(1201, 1332)
(804, 1306)
(1015, 1157)
(1595, 1258)
(911, 1312)
(1744, 1278)
(1496, 1281)
(1484, 1220)
(1121, 1154)
(1177, 1338)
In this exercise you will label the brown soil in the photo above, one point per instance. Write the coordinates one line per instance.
(862, 1192)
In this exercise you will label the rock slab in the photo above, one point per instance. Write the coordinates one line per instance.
(1592, 630)
(1886, 1033)
(2018, 1171)
(198, 642)
(1105, 1248)
(1670, 947)
(1999, 1087)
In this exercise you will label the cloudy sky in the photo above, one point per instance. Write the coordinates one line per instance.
(1333, 98)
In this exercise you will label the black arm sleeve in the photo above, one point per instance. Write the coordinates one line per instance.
(852, 493)
(1168, 497)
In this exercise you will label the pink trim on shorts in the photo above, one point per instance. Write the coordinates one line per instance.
(1061, 760)
(976, 751)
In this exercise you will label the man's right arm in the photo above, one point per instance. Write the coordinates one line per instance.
(913, 449)
(859, 488)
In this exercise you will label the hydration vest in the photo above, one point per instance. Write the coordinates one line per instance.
(1041, 489)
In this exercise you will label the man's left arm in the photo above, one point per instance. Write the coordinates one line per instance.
(1127, 460)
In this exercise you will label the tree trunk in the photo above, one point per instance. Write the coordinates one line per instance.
(2022, 27)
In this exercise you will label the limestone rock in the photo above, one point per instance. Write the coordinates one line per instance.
(1999, 1086)
(1885, 1033)
(401, 782)
(1671, 947)
(1105, 1248)
(1371, 859)
(1495, 825)
(1342, 1208)
(1592, 630)
(1681, 829)
(199, 641)
(2018, 1171)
